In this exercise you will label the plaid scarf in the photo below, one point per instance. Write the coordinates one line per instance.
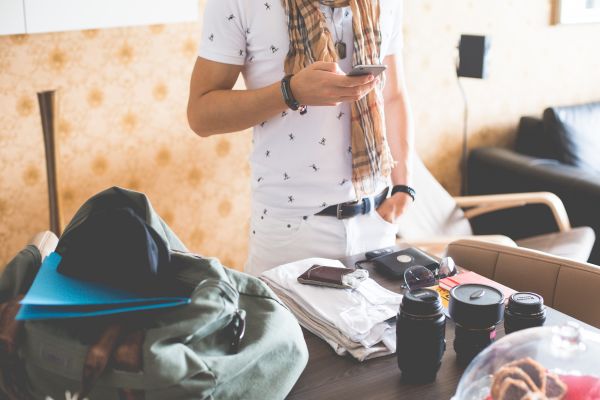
(311, 41)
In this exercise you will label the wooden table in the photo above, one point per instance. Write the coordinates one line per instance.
(329, 376)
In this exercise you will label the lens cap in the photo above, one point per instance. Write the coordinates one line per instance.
(476, 306)
(526, 303)
(421, 302)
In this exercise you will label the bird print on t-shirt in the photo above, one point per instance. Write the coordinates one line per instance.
(257, 48)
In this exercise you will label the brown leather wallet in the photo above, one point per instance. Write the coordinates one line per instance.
(322, 275)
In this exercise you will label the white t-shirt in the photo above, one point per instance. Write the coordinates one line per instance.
(300, 163)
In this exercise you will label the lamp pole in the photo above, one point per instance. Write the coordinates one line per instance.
(47, 103)
(465, 137)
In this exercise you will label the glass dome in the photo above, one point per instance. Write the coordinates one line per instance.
(553, 363)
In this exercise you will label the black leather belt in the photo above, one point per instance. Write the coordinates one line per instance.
(349, 210)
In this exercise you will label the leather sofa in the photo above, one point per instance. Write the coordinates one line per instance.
(557, 153)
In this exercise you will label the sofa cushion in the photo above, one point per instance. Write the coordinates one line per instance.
(434, 213)
(532, 140)
(576, 132)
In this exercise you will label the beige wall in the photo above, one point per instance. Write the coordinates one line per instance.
(533, 64)
(122, 97)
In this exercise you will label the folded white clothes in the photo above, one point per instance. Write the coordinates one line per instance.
(340, 343)
(350, 320)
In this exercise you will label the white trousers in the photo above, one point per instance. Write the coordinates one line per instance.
(275, 240)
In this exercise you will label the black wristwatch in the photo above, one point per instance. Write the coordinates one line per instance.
(404, 189)
(288, 96)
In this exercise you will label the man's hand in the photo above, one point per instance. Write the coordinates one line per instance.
(393, 207)
(325, 84)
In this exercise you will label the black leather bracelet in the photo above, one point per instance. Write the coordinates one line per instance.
(288, 96)
(404, 189)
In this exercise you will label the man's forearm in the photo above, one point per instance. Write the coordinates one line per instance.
(224, 111)
(398, 122)
(400, 134)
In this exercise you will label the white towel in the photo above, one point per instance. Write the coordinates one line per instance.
(349, 320)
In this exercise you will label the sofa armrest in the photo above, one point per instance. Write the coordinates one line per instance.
(499, 165)
(499, 170)
(483, 204)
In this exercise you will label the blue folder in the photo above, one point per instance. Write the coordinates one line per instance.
(53, 295)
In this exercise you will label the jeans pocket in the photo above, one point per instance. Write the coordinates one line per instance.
(274, 232)
(381, 220)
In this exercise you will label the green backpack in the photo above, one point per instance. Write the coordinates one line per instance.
(188, 352)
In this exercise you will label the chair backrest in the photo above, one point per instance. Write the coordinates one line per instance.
(434, 213)
(568, 286)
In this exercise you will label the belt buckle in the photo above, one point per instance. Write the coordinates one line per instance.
(339, 210)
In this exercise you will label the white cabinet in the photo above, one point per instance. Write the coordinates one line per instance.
(12, 17)
(64, 15)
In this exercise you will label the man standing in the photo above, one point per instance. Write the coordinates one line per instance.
(324, 179)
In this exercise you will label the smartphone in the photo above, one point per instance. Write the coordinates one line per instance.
(374, 70)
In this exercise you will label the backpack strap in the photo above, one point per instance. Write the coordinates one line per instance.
(98, 355)
(128, 356)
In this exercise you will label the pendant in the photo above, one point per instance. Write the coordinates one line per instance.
(340, 48)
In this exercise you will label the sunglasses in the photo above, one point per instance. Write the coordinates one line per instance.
(417, 276)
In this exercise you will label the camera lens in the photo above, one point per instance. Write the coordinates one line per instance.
(476, 310)
(420, 335)
(524, 310)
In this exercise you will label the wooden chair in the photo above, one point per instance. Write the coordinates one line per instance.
(437, 218)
